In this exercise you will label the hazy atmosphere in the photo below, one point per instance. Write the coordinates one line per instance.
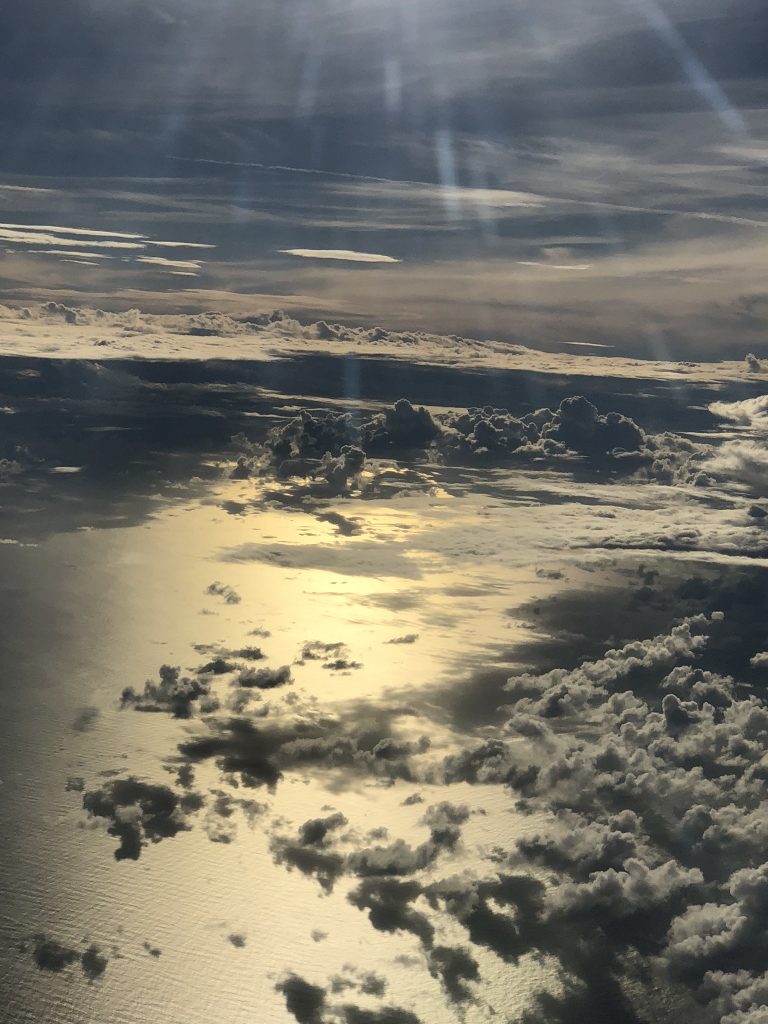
(383, 512)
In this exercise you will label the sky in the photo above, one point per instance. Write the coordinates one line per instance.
(540, 173)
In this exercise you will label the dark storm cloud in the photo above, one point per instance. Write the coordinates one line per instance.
(217, 667)
(222, 663)
(413, 799)
(400, 428)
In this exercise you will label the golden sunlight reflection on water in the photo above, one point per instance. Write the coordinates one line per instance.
(119, 603)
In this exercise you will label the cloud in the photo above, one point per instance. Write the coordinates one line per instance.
(348, 255)
(174, 694)
(309, 853)
(86, 719)
(140, 813)
(265, 678)
(313, 852)
(72, 231)
(69, 241)
(161, 261)
(554, 266)
(308, 1003)
(749, 412)
(455, 967)
(388, 903)
(93, 962)
(333, 656)
(741, 462)
(51, 955)
(304, 1000)
(223, 590)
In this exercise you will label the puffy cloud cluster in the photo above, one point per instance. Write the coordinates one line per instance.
(400, 858)
(334, 657)
(399, 428)
(656, 772)
(265, 678)
(9, 468)
(742, 459)
(310, 851)
(256, 749)
(57, 309)
(310, 436)
(752, 363)
(311, 1004)
(217, 589)
(173, 693)
(341, 472)
(330, 449)
(744, 462)
(321, 851)
(51, 955)
(575, 426)
(140, 813)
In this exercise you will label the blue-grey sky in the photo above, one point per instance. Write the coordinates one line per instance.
(541, 172)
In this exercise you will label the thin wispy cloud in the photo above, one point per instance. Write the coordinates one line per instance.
(349, 255)
(62, 230)
(22, 237)
(554, 266)
(161, 261)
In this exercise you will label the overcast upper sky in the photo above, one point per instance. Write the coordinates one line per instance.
(545, 172)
